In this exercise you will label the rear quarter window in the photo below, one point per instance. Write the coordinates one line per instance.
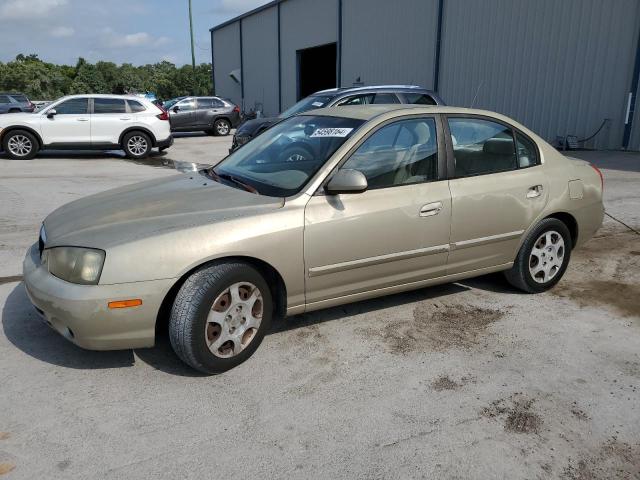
(20, 98)
(420, 99)
(135, 107)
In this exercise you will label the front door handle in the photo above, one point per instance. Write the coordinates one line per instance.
(82, 119)
(431, 209)
(125, 118)
(535, 191)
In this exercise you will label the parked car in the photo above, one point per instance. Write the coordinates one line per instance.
(394, 198)
(372, 95)
(213, 115)
(88, 122)
(15, 103)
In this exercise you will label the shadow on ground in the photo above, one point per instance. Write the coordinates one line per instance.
(25, 330)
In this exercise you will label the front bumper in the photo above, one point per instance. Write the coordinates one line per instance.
(80, 313)
(165, 143)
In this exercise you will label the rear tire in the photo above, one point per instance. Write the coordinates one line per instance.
(543, 257)
(221, 127)
(136, 145)
(20, 145)
(220, 316)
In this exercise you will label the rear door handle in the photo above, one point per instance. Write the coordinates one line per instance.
(535, 191)
(431, 209)
(82, 119)
(125, 118)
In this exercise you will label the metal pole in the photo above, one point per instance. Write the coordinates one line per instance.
(193, 55)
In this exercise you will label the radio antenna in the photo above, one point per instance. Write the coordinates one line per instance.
(473, 102)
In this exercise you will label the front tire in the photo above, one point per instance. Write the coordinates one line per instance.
(20, 145)
(221, 127)
(136, 145)
(543, 257)
(220, 316)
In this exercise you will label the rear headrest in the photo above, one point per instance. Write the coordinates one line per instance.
(499, 146)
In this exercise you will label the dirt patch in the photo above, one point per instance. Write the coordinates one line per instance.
(517, 412)
(615, 460)
(4, 435)
(443, 382)
(580, 414)
(622, 297)
(437, 327)
(6, 467)
(605, 272)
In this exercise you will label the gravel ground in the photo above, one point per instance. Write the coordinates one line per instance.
(466, 380)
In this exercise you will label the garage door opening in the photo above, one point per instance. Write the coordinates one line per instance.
(316, 69)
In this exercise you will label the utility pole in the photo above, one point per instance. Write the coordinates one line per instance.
(193, 55)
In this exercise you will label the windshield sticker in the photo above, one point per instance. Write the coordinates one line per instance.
(331, 132)
(317, 104)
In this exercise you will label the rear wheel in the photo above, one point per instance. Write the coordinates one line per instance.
(220, 316)
(136, 145)
(221, 127)
(20, 145)
(543, 257)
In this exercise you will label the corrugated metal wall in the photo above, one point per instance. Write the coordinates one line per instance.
(389, 42)
(226, 54)
(558, 67)
(634, 143)
(260, 52)
(303, 24)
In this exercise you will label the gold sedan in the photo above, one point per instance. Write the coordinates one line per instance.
(325, 208)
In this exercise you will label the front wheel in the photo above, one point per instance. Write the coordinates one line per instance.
(221, 127)
(220, 316)
(20, 145)
(136, 145)
(543, 257)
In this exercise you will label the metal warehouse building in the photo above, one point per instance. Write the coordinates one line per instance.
(561, 67)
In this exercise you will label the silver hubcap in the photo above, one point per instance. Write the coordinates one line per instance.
(222, 128)
(547, 256)
(20, 146)
(234, 320)
(137, 145)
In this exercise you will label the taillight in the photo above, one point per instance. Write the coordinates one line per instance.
(599, 173)
(236, 109)
(164, 115)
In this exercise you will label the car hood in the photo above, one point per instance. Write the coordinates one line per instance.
(250, 127)
(6, 120)
(150, 208)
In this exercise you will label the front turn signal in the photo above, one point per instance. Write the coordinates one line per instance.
(134, 302)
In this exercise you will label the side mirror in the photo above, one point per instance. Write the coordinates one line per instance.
(52, 113)
(346, 181)
(176, 109)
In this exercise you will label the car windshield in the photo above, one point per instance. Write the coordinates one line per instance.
(279, 162)
(170, 103)
(306, 104)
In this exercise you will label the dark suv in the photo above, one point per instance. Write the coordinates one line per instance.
(213, 115)
(379, 94)
(15, 103)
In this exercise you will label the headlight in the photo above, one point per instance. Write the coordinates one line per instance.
(74, 264)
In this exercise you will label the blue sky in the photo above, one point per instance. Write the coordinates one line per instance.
(134, 31)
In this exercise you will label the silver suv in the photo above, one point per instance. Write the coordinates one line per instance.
(15, 103)
(213, 115)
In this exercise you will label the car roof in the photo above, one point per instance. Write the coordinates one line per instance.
(395, 88)
(104, 95)
(367, 112)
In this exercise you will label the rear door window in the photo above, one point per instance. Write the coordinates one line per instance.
(385, 99)
(481, 147)
(205, 103)
(4, 99)
(109, 105)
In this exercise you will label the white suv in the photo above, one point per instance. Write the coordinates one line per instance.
(88, 122)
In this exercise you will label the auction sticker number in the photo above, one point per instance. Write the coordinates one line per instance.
(331, 132)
